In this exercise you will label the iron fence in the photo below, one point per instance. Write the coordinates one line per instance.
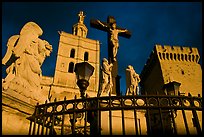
(87, 116)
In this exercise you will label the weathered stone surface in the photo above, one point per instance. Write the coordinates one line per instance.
(25, 54)
(21, 89)
(15, 109)
(64, 82)
(172, 63)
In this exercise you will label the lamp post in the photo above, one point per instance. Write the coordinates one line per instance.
(83, 71)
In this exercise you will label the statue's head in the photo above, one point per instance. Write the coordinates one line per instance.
(113, 25)
(105, 60)
(129, 67)
(31, 28)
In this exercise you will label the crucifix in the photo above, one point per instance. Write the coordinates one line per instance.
(113, 45)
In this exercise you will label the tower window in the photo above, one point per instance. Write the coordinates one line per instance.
(72, 53)
(182, 72)
(86, 56)
(71, 67)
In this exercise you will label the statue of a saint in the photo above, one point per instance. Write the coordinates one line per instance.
(24, 57)
(113, 37)
(132, 80)
(107, 83)
(81, 17)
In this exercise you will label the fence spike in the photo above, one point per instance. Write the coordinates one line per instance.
(55, 100)
(75, 97)
(189, 94)
(65, 98)
(46, 101)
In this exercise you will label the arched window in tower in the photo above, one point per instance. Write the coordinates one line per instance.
(72, 53)
(71, 67)
(86, 56)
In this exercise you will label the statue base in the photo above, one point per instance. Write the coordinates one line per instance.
(18, 104)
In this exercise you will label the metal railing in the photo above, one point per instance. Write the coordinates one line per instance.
(163, 114)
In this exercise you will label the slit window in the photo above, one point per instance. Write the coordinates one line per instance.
(71, 67)
(86, 56)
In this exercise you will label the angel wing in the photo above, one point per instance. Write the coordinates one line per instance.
(9, 57)
(29, 33)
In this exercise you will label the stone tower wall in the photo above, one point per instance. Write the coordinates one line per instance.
(80, 45)
(173, 63)
(181, 64)
(151, 76)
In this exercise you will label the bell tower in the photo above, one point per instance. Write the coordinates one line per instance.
(75, 48)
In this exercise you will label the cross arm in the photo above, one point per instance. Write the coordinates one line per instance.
(126, 34)
(94, 23)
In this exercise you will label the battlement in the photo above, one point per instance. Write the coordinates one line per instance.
(177, 53)
(169, 53)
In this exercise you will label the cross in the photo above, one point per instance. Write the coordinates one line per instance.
(107, 27)
(111, 28)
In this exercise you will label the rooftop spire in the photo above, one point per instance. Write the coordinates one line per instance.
(79, 28)
(81, 17)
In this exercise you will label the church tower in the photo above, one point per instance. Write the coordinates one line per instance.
(172, 64)
(75, 48)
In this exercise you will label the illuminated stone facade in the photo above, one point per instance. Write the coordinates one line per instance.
(172, 63)
(168, 64)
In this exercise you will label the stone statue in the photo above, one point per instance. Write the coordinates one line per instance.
(81, 17)
(107, 83)
(24, 57)
(132, 80)
(113, 37)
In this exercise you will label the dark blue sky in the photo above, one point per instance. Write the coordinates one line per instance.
(165, 23)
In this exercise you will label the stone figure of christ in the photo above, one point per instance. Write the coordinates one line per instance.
(113, 37)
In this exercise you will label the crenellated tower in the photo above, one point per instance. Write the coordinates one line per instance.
(172, 63)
